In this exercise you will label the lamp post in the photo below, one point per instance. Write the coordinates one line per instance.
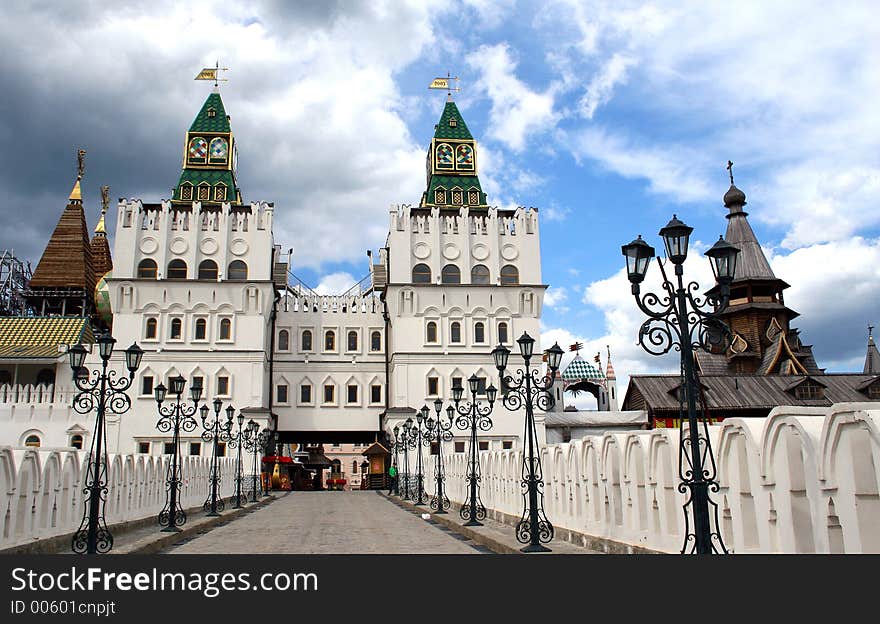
(415, 440)
(682, 320)
(215, 431)
(439, 431)
(473, 416)
(253, 442)
(175, 417)
(395, 446)
(405, 435)
(105, 392)
(529, 389)
(236, 440)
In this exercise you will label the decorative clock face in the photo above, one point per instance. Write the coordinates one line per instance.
(465, 157)
(444, 156)
(219, 149)
(198, 148)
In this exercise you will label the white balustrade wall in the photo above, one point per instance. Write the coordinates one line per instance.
(41, 490)
(802, 480)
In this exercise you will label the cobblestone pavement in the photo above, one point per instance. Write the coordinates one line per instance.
(327, 523)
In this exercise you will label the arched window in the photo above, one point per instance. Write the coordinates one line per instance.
(201, 329)
(33, 441)
(479, 274)
(176, 269)
(176, 329)
(502, 332)
(330, 340)
(225, 329)
(479, 332)
(147, 268)
(352, 340)
(455, 332)
(76, 441)
(208, 270)
(375, 341)
(354, 467)
(46, 377)
(306, 340)
(283, 340)
(421, 274)
(509, 274)
(152, 329)
(198, 150)
(219, 150)
(237, 271)
(431, 332)
(451, 274)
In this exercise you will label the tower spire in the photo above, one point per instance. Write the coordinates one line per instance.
(76, 192)
(872, 358)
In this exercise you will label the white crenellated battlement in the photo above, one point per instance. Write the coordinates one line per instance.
(331, 304)
(802, 480)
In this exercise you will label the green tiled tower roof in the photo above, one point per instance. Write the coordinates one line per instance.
(208, 157)
(452, 163)
(457, 131)
(217, 123)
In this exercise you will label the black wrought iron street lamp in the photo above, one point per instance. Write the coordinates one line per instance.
(530, 389)
(405, 435)
(395, 465)
(439, 431)
(682, 320)
(236, 439)
(175, 417)
(215, 431)
(415, 440)
(105, 392)
(474, 416)
(253, 442)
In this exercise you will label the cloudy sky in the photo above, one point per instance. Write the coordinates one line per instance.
(607, 116)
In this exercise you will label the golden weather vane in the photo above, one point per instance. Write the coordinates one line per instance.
(445, 84)
(105, 199)
(213, 73)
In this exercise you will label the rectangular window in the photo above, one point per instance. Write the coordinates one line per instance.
(457, 381)
(507, 444)
(195, 448)
(433, 386)
(352, 394)
(481, 385)
(459, 447)
(147, 385)
(305, 393)
(483, 445)
(221, 449)
(168, 448)
(375, 394)
(198, 380)
(281, 393)
(222, 385)
(144, 448)
(435, 448)
(329, 393)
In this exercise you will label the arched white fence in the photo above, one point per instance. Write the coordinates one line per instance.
(802, 480)
(41, 491)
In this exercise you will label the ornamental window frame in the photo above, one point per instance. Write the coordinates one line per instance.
(217, 160)
(220, 191)
(444, 166)
(186, 191)
(440, 196)
(457, 196)
(460, 148)
(473, 197)
(204, 193)
(189, 156)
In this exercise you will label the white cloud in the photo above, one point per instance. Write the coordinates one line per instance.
(335, 283)
(601, 86)
(554, 296)
(517, 111)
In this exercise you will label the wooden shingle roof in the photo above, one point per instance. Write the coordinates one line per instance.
(67, 259)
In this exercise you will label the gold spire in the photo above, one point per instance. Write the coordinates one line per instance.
(105, 202)
(76, 193)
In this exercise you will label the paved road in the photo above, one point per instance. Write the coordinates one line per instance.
(327, 523)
